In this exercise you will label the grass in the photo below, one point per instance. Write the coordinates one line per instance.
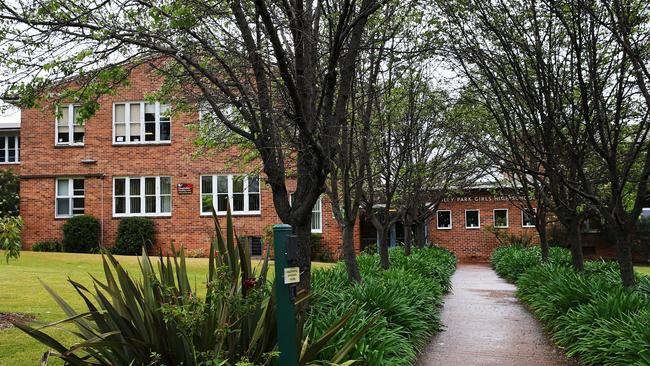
(643, 270)
(21, 291)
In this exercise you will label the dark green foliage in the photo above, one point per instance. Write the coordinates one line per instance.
(406, 299)
(9, 193)
(510, 262)
(590, 314)
(160, 317)
(132, 234)
(81, 234)
(47, 246)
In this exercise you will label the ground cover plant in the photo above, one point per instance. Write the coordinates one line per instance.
(162, 319)
(405, 301)
(590, 314)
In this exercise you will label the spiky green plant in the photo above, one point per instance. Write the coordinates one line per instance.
(162, 320)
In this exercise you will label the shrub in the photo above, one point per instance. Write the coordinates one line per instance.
(405, 300)
(132, 234)
(10, 229)
(590, 314)
(510, 262)
(157, 317)
(9, 193)
(47, 246)
(81, 234)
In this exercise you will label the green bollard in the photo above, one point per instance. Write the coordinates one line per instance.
(285, 312)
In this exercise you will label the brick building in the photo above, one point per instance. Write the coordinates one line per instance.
(135, 158)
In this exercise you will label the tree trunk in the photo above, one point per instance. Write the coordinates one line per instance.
(575, 244)
(303, 232)
(349, 254)
(624, 254)
(543, 243)
(408, 236)
(382, 240)
(420, 238)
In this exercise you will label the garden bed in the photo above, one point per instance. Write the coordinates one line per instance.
(589, 314)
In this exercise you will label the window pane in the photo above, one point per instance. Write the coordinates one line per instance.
(206, 184)
(150, 131)
(206, 203)
(12, 156)
(120, 132)
(238, 184)
(63, 188)
(528, 219)
(120, 205)
(222, 184)
(63, 120)
(165, 185)
(444, 219)
(62, 206)
(135, 113)
(64, 134)
(254, 202)
(149, 112)
(78, 186)
(150, 186)
(78, 133)
(119, 187)
(135, 132)
(135, 204)
(150, 204)
(165, 131)
(78, 206)
(471, 218)
(120, 115)
(238, 202)
(315, 220)
(134, 187)
(500, 218)
(253, 184)
(166, 204)
(222, 202)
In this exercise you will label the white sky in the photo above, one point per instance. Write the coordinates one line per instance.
(9, 114)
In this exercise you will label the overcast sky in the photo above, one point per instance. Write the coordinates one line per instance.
(9, 114)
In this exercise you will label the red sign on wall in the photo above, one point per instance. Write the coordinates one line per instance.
(184, 188)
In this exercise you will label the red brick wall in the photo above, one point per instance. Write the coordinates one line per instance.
(475, 244)
(42, 162)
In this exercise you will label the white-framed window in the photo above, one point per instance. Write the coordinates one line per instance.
(472, 219)
(444, 219)
(527, 219)
(500, 217)
(9, 149)
(70, 129)
(242, 192)
(141, 123)
(70, 197)
(142, 196)
(316, 214)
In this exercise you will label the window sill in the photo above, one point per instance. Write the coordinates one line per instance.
(234, 214)
(10, 163)
(472, 227)
(528, 226)
(444, 228)
(153, 143)
(153, 216)
(68, 146)
(502, 227)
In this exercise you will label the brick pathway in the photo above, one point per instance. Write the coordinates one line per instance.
(486, 325)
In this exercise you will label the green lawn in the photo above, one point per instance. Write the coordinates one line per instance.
(644, 270)
(21, 291)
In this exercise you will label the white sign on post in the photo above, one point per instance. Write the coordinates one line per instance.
(291, 275)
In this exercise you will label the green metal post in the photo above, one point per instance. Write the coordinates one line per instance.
(286, 317)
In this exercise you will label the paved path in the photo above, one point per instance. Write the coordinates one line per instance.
(486, 325)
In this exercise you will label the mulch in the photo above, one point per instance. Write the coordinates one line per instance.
(6, 318)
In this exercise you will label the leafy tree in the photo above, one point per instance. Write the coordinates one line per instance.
(9, 189)
(284, 69)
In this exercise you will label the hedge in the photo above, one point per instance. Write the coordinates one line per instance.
(590, 314)
(404, 302)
